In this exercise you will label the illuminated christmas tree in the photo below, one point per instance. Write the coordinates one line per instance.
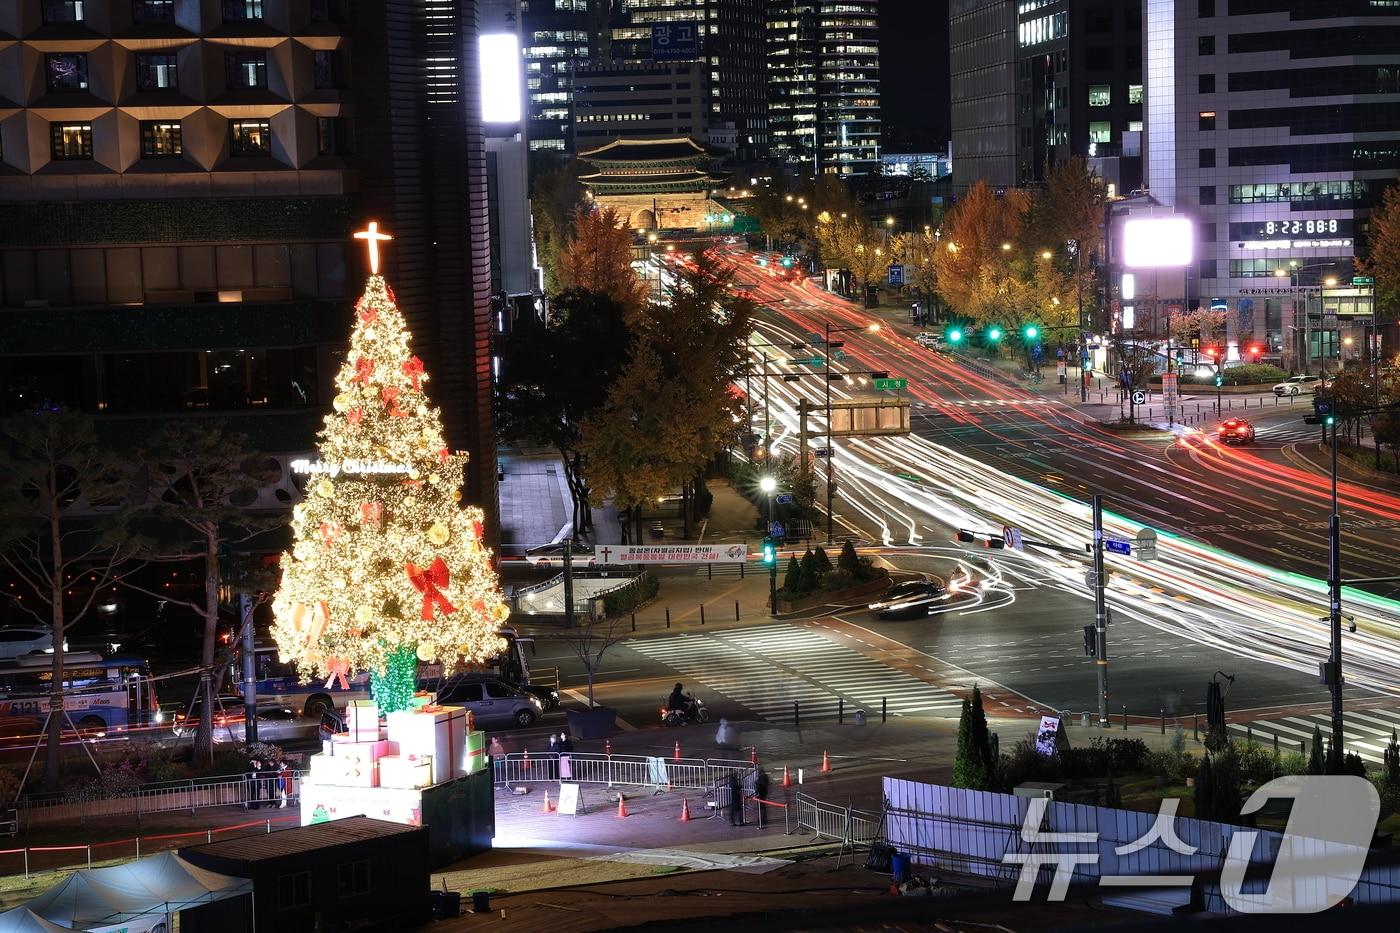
(386, 567)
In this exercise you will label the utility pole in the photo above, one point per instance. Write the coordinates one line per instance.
(767, 420)
(826, 347)
(1100, 612)
(569, 582)
(250, 683)
(1334, 608)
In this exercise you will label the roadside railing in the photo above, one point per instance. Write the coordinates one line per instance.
(252, 789)
(829, 821)
(626, 770)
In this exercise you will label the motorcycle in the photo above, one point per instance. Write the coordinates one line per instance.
(694, 711)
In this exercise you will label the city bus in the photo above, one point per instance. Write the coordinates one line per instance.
(278, 684)
(102, 696)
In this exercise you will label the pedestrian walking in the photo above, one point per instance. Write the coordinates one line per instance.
(284, 781)
(255, 779)
(736, 800)
(566, 757)
(760, 793)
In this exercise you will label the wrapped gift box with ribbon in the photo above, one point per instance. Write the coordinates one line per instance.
(405, 771)
(438, 731)
(362, 720)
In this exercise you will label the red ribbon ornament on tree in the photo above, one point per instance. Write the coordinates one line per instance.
(391, 398)
(329, 532)
(366, 312)
(372, 513)
(339, 669)
(428, 580)
(414, 370)
(443, 455)
(354, 415)
(364, 370)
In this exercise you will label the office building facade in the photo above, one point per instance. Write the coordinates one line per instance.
(1275, 126)
(656, 99)
(558, 36)
(824, 84)
(982, 72)
(180, 181)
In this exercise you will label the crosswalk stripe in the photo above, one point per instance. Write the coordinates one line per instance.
(1367, 733)
(768, 668)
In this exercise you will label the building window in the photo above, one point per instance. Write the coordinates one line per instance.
(1207, 233)
(1099, 95)
(1206, 9)
(330, 136)
(66, 71)
(1100, 131)
(72, 140)
(239, 11)
(1205, 84)
(250, 138)
(1207, 158)
(1206, 45)
(325, 11)
(1205, 120)
(1134, 126)
(325, 69)
(294, 890)
(153, 11)
(1135, 93)
(1207, 268)
(246, 69)
(156, 71)
(1207, 194)
(62, 11)
(160, 140)
(352, 878)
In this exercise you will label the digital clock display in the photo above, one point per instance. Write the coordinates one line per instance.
(1288, 228)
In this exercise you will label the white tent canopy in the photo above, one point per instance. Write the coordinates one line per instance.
(159, 884)
(22, 920)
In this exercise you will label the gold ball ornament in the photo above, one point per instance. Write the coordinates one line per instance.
(501, 612)
(422, 411)
(341, 402)
(364, 615)
(434, 479)
(413, 473)
(325, 487)
(369, 333)
(456, 495)
(424, 652)
(409, 502)
(438, 534)
(338, 583)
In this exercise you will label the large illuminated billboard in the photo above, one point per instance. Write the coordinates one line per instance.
(1158, 242)
(500, 77)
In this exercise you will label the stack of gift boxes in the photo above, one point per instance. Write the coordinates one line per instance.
(421, 746)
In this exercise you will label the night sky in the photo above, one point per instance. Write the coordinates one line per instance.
(914, 74)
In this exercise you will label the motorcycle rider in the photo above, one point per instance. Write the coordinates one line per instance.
(678, 700)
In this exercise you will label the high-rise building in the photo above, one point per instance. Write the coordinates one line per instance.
(824, 84)
(1079, 88)
(180, 181)
(559, 36)
(656, 99)
(982, 67)
(729, 43)
(1275, 126)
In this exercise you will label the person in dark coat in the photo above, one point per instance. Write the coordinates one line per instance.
(736, 800)
(760, 793)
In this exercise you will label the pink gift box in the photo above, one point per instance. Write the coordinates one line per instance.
(435, 731)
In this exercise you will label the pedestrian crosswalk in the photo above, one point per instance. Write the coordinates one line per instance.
(768, 668)
(1367, 732)
(1288, 435)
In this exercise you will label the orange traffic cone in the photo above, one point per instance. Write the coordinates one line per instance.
(685, 810)
(753, 755)
(621, 805)
(548, 807)
(826, 763)
(787, 779)
(527, 759)
(678, 751)
(607, 748)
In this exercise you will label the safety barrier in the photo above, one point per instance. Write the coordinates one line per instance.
(33, 859)
(627, 770)
(829, 821)
(254, 788)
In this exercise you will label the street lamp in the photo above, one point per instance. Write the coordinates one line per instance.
(872, 328)
(769, 485)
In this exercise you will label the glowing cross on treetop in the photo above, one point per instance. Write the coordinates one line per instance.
(372, 236)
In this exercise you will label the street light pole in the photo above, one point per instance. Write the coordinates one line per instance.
(826, 347)
(770, 485)
(1100, 612)
(1334, 607)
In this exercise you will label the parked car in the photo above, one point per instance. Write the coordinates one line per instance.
(1236, 431)
(929, 340)
(911, 599)
(275, 723)
(492, 701)
(16, 641)
(552, 555)
(1298, 385)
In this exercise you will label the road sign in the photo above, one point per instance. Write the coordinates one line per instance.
(1139, 397)
(1363, 280)
(821, 452)
(896, 274)
(1146, 544)
(776, 530)
(1169, 385)
(1117, 546)
(808, 361)
(784, 498)
(1011, 537)
(891, 384)
(1061, 368)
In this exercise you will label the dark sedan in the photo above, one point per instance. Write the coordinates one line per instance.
(908, 600)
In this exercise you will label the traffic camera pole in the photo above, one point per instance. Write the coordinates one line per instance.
(1100, 613)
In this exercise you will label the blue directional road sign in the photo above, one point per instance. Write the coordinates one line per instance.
(1115, 546)
(776, 530)
(896, 274)
(784, 498)
(821, 452)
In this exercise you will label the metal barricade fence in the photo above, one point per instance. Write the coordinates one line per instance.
(835, 822)
(224, 791)
(635, 770)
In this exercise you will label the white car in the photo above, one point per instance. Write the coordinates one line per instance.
(1298, 385)
(16, 641)
(929, 341)
(552, 555)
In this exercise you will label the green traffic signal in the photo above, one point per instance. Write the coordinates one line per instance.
(1219, 381)
(955, 335)
(994, 333)
(770, 551)
(1032, 332)
(1330, 420)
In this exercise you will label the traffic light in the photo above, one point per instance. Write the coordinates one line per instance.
(787, 262)
(994, 333)
(1219, 380)
(1030, 331)
(1255, 352)
(954, 335)
(1322, 412)
(770, 552)
(1091, 641)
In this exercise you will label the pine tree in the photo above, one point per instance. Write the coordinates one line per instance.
(1317, 762)
(1225, 787)
(1392, 761)
(848, 560)
(386, 567)
(792, 581)
(1205, 788)
(970, 767)
(810, 577)
(981, 738)
(823, 562)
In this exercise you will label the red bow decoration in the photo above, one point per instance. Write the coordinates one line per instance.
(364, 370)
(391, 398)
(339, 668)
(414, 370)
(478, 529)
(394, 299)
(367, 313)
(329, 532)
(427, 581)
(444, 454)
(354, 415)
(372, 513)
